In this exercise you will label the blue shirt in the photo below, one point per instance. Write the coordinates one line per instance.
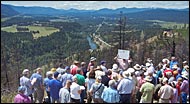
(46, 82)
(125, 86)
(65, 77)
(173, 63)
(24, 81)
(110, 95)
(55, 86)
(39, 80)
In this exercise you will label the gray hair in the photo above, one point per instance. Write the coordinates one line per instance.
(74, 78)
(111, 83)
(49, 74)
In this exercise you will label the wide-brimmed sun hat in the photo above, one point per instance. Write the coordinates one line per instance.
(148, 78)
(165, 59)
(53, 70)
(149, 60)
(137, 67)
(115, 67)
(174, 66)
(148, 64)
(126, 74)
(184, 62)
(92, 59)
(186, 67)
(131, 70)
(185, 75)
(25, 71)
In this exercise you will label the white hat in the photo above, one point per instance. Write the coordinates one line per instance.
(165, 59)
(184, 62)
(186, 67)
(115, 67)
(185, 75)
(173, 57)
(148, 78)
(25, 71)
(126, 74)
(99, 77)
(49, 73)
(137, 67)
(92, 59)
(149, 60)
(137, 73)
(131, 70)
(148, 64)
(174, 66)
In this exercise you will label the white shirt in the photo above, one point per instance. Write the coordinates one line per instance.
(166, 92)
(99, 73)
(103, 68)
(74, 88)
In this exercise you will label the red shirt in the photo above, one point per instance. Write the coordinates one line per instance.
(178, 88)
(167, 71)
(74, 70)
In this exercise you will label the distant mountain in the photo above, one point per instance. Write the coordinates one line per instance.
(173, 15)
(162, 14)
(36, 10)
(124, 10)
(7, 11)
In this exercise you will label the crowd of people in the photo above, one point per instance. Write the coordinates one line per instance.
(166, 82)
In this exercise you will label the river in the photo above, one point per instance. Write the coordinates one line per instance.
(91, 43)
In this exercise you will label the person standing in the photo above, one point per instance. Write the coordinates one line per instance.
(147, 90)
(110, 94)
(74, 67)
(64, 94)
(96, 90)
(125, 88)
(81, 82)
(123, 63)
(66, 76)
(184, 88)
(25, 81)
(54, 87)
(89, 81)
(49, 77)
(175, 93)
(91, 64)
(139, 84)
(21, 97)
(37, 82)
(75, 91)
(103, 66)
(84, 68)
(165, 92)
(173, 61)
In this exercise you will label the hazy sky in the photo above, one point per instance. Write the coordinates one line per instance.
(95, 5)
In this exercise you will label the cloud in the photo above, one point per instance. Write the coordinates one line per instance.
(95, 5)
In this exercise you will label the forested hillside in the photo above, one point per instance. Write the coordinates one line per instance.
(141, 32)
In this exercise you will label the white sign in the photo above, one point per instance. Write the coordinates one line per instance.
(123, 54)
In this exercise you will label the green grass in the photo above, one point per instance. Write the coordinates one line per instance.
(9, 29)
(44, 31)
(8, 98)
(168, 25)
(184, 32)
(4, 19)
